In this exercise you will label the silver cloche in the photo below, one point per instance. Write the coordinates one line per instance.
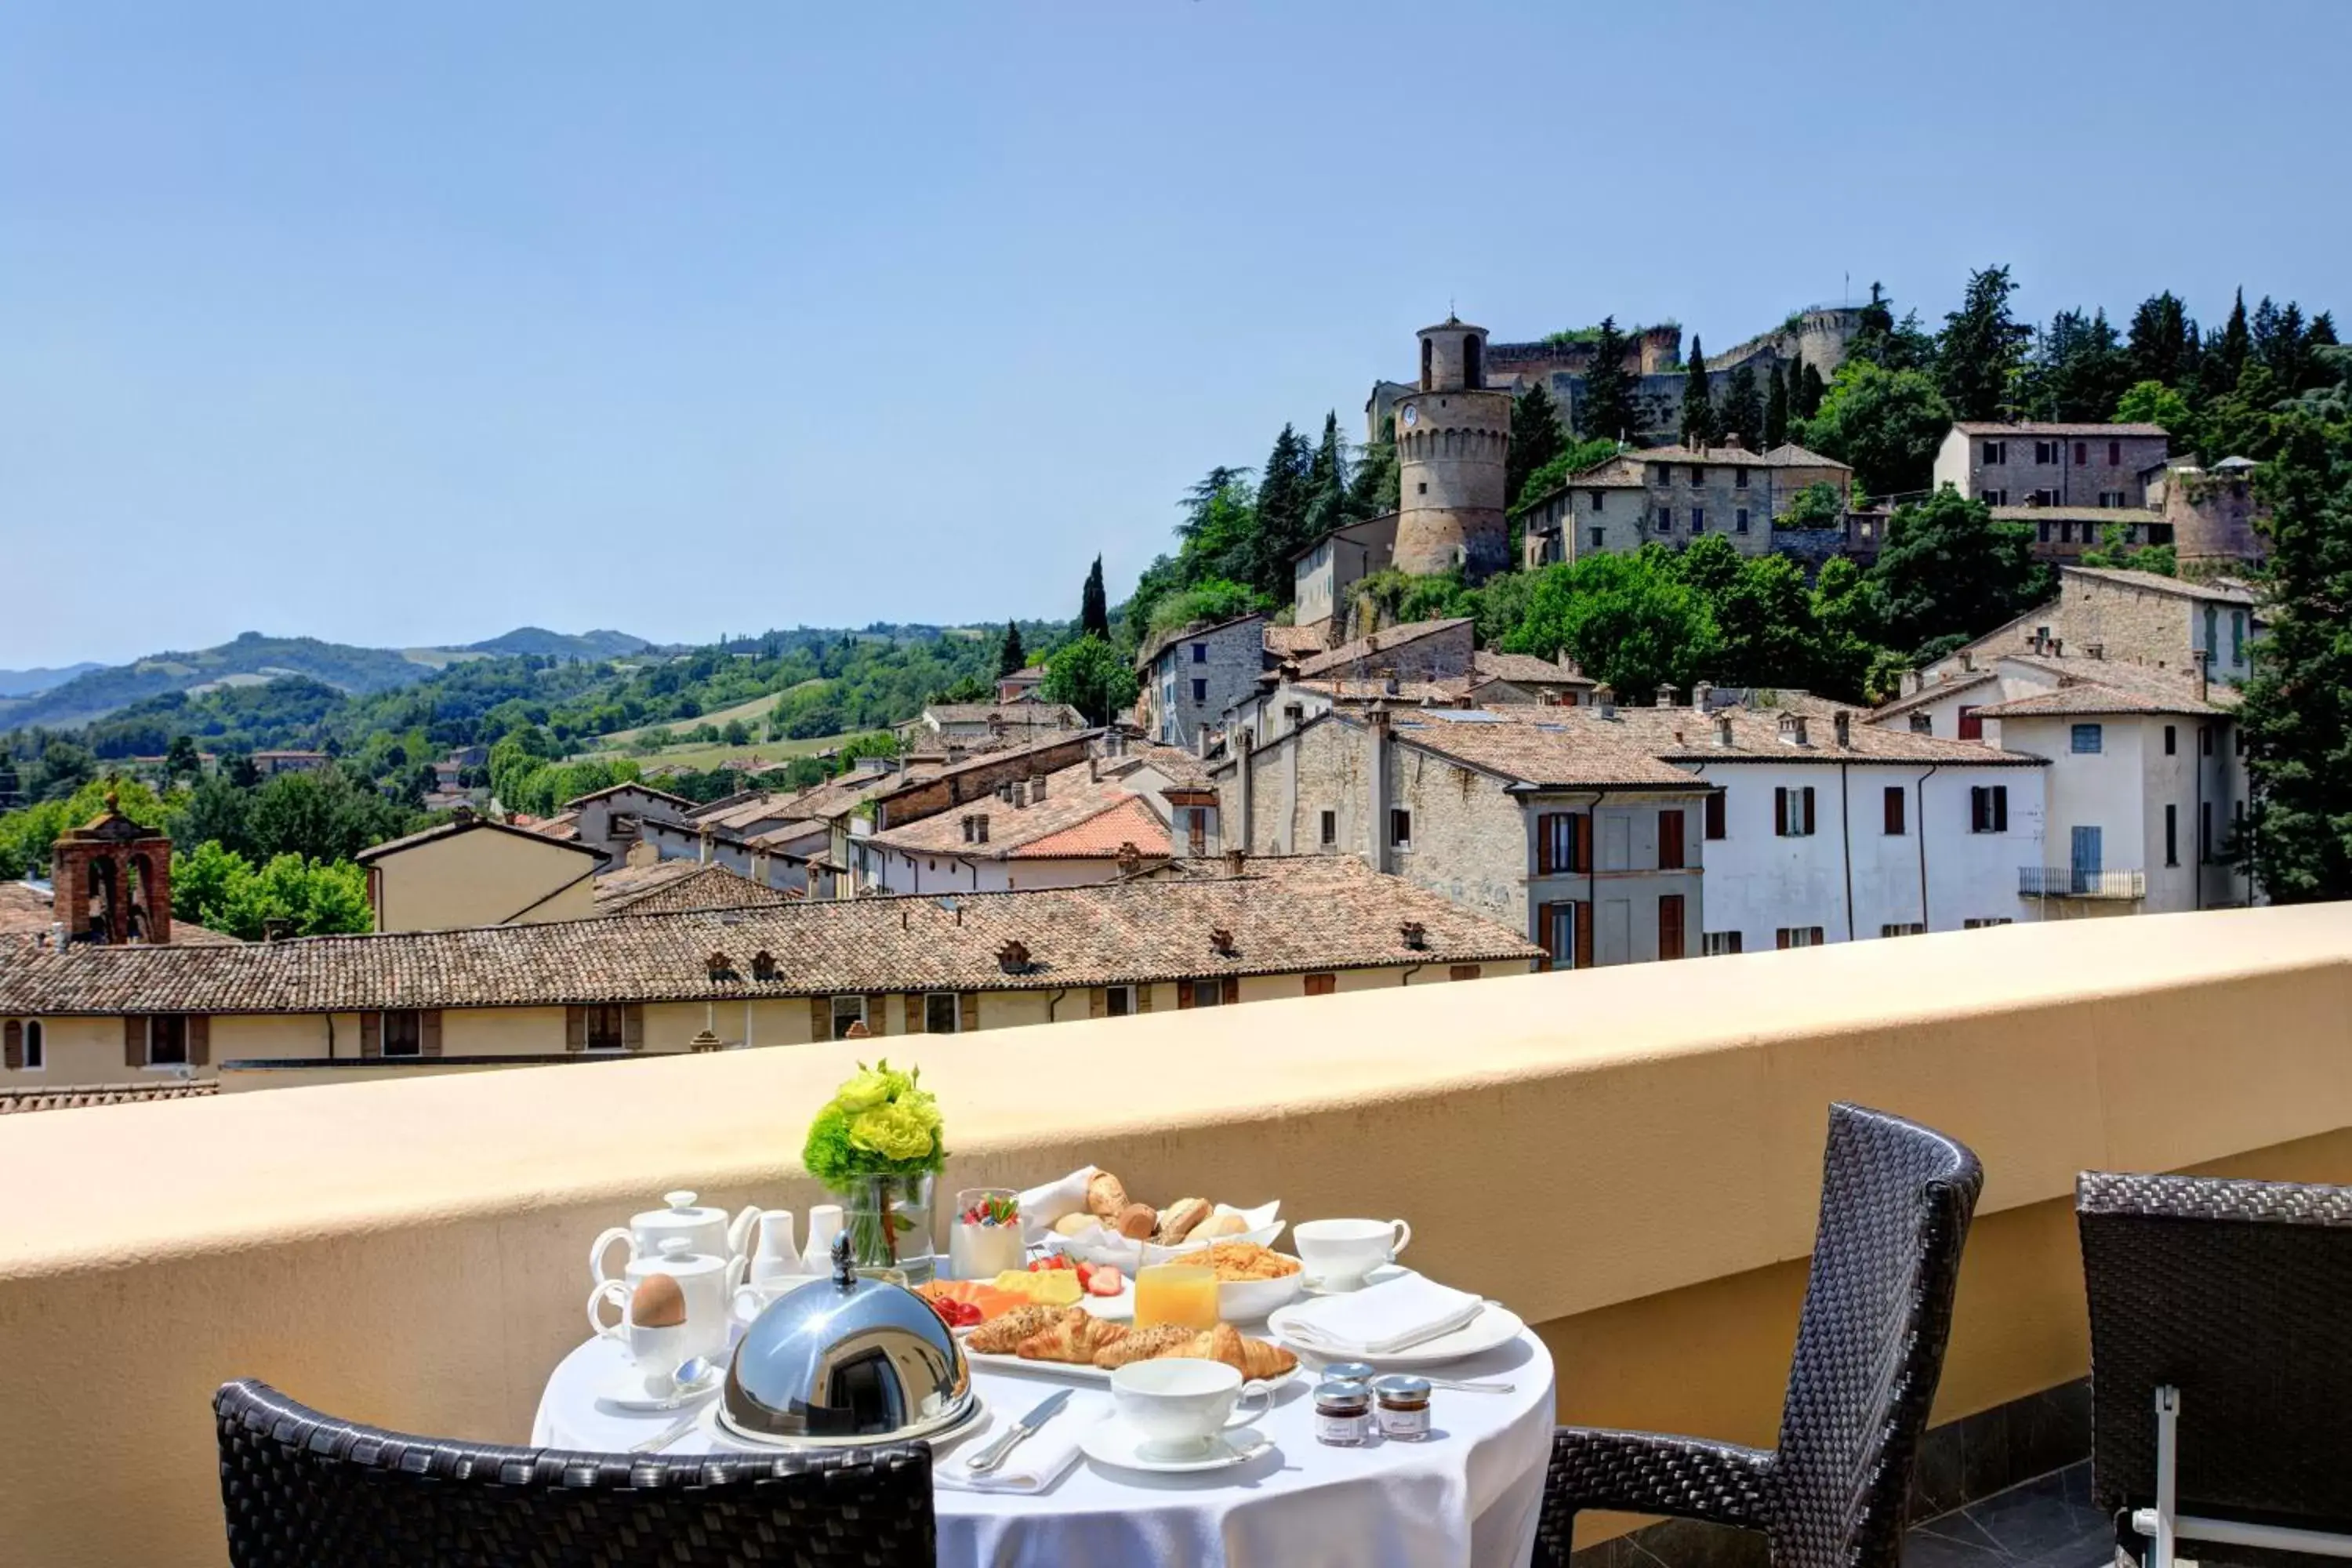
(846, 1360)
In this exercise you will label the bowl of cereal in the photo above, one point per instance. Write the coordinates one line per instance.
(1252, 1280)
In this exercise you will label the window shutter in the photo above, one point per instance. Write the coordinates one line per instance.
(820, 1019)
(575, 1028)
(371, 1034)
(1893, 809)
(968, 1012)
(1545, 915)
(1714, 815)
(1230, 990)
(1781, 937)
(1809, 809)
(1670, 926)
(1183, 994)
(1583, 935)
(1097, 1006)
(12, 1045)
(134, 1041)
(1670, 839)
(1143, 997)
(878, 1008)
(1322, 985)
(1545, 825)
(633, 1027)
(1582, 847)
(428, 1032)
(913, 1009)
(1781, 810)
(1462, 972)
(200, 1041)
(2001, 808)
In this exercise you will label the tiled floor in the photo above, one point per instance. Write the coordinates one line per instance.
(2044, 1524)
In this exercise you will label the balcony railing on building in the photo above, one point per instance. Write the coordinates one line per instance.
(2078, 882)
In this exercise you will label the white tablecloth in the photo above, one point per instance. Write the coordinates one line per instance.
(1466, 1497)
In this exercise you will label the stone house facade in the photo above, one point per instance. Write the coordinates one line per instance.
(1190, 677)
(2049, 464)
(1673, 495)
(613, 819)
(1324, 573)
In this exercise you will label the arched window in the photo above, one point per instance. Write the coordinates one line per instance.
(1473, 371)
(1426, 349)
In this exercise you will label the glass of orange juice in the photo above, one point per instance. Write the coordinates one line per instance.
(1184, 1294)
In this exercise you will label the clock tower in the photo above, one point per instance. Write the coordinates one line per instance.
(1452, 435)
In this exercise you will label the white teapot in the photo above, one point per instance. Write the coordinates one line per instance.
(709, 1230)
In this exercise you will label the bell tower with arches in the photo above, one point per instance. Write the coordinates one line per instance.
(114, 879)
(1453, 433)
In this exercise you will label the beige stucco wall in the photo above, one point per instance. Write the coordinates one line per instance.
(409, 1252)
(480, 878)
(78, 1051)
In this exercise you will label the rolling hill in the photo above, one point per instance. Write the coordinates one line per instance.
(25, 682)
(563, 645)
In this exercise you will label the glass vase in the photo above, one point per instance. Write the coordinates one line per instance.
(889, 1222)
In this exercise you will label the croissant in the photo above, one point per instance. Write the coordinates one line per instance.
(1250, 1358)
(1146, 1344)
(1002, 1335)
(1074, 1338)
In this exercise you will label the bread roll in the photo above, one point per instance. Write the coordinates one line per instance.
(1217, 1226)
(1181, 1218)
(1137, 1221)
(1105, 1195)
(1071, 1224)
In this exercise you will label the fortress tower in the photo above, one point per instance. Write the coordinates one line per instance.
(1451, 433)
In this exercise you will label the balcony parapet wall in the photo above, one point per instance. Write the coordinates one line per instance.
(1608, 1152)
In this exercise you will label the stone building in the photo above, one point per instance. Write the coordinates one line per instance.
(1323, 573)
(112, 880)
(1191, 676)
(612, 820)
(2210, 516)
(2114, 617)
(470, 871)
(1548, 821)
(2056, 465)
(2061, 533)
(1453, 434)
(1673, 495)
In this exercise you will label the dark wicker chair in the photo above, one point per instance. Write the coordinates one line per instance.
(302, 1489)
(2239, 1295)
(1896, 1199)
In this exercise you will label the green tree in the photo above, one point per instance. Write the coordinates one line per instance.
(1699, 427)
(214, 810)
(2115, 550)
(221, 891)
(182, 761)
(2154, 402)
(1374, 488)
(1280, 520)
(1628, 619)
(1607, 409)
(1214, 599)
(2225, 362)
(1850, 655)
(1982, 349)
(2162, 343)
(1010, 655)
(1327, 482)
(1885, 423)
(2078, 370)
(25, 836)
(1948, 570)
(1574, 459)
(1537, 437)
(1806, 393)
(324, 815)
(1764, 626)
(1816, 506)
(1094, 608)
(1888, 344)
(2297, 714)
(1092, 676)
(1776, 410)
(1743, 409)
(736, 733)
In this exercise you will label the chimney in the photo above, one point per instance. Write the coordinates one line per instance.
(1013, 957)
(1732, 441)
(1703, 695)
(1605, 696)
(1843, 723)
(1220, 940)
(760, 867)
(1389, 680)
(1667, 694)
(1968, 661)
(1792, 730)
(2197, 681)
(2095, 650)
(1037, 789)
(1908, 683)
(1376, 779)
(1415, 935)
(1723, 730)
(1131, 858)
(1565, 661)
(702, 845)
(463, 815)
(1234, 860)
(1094, 768)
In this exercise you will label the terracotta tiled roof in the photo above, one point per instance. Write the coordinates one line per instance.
(477, 825)
(1561, 747)
(563, 824)
(1293, 642)
(986, 760)
(1012, 715)
(1440, 691)
(790, 832)
(1289, 915)
(1106, 833)
(740, 814)
(1551, 748)
(1526, 668)
(1682, 735)
(1073, 795)
(2187, 588)
(2087, 697)
(1788, 455)
(2098, 514)
(23, 1102)
(679, 801)
(1385, 641)
(2033, 427)
(670, 885)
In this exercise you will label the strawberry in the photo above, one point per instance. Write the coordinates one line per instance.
(1104, 1279)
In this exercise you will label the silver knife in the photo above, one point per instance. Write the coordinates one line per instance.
(993, 1456)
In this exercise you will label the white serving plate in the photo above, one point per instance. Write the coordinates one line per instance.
(1113, 1442)
(1492, 1329)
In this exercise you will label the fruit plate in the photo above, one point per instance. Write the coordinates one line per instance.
(1490, 1330)
(1083, 1372)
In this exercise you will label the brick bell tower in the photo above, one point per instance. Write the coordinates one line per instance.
(1452, 435)
(114, 879)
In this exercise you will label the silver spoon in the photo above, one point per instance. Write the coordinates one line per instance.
(692, 1377)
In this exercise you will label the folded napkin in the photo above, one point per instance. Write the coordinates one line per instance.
(1380, 1320)
(1037, 1461)
(1041, 1206)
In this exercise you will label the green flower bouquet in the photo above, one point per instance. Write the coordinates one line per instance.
(876, 1144)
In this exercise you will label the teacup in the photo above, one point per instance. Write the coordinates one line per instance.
(707, 1283)
(1180, 1406)
(1339, 1253)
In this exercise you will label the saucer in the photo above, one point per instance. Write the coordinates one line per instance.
(1380, 1275)
(625, 1390)
(1113, 1442)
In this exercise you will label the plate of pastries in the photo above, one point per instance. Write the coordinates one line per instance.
(1072, 1341)
(1116, 1227)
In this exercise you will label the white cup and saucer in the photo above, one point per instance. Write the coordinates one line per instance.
(1177, 1416)
(1342, 1255)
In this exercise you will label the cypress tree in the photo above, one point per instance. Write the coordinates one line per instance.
(1699, 430)
(1094, 608)
(1011, 656)
(1282, 502)
(1607, 410)
(1978, 357)
(1809, 392)
(1537, 438)
(1776, 410)
(1743, 408)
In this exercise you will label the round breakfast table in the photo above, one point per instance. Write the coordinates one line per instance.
(1465, 1498)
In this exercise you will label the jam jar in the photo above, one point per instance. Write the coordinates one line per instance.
(1403, 1408)
(1343, 1414)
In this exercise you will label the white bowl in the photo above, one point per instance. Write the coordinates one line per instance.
(1251, 1301)
(1108, 1247)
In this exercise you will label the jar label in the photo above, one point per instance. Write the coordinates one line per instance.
(1406, 1424)
(1345, 1430)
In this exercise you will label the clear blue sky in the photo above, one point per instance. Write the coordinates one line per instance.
(408, 323)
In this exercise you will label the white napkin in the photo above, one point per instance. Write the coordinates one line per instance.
(1041, 1206)
(1381, 1320)
(1037, 1461)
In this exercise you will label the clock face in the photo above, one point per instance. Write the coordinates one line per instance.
(1413, 416)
